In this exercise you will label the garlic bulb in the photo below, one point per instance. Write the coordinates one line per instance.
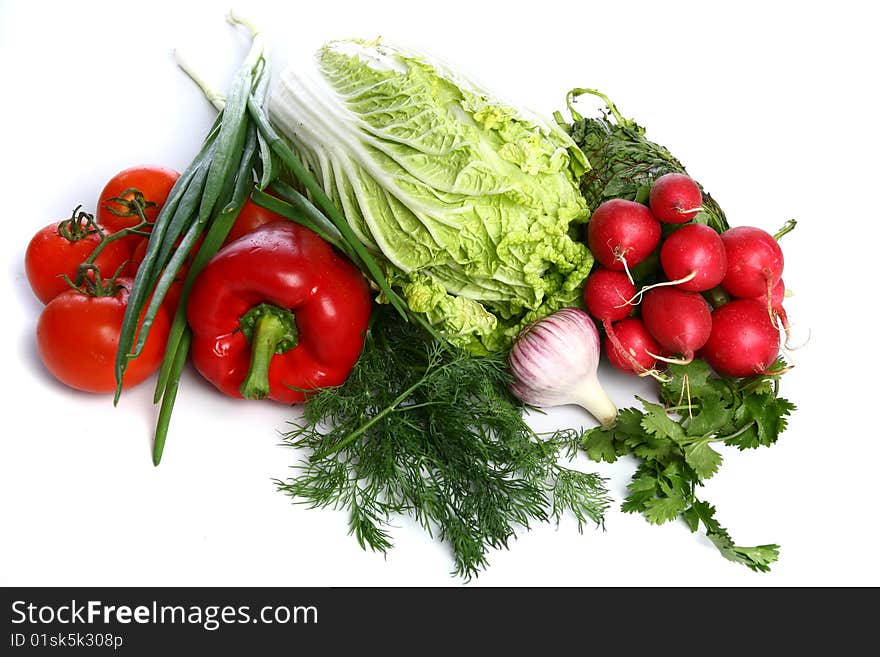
(554, 362)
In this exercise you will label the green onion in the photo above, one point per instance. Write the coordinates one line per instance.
(292, 205)
(205, 200)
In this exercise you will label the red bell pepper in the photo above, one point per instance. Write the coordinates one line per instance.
(277, 312)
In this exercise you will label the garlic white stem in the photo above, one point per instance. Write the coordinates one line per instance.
(592, 397)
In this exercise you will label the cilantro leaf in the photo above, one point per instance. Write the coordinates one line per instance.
(705, 513)
(769, 413)
(643, 488)
(629, 422)
(606, 444)
(676, 478)
(663, 509)
(714, 416)
(644, 481)
(629, 436)
(599, 445)
(692, 384)
(692, 378)
(658, 423)
(745, 438)
(651, 448)
(661, 495)
(702, 458)
(757, 558)
(637, 501)
(691, 518)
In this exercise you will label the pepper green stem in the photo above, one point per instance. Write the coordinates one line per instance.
(270, 330)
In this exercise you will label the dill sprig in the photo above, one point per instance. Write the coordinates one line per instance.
(423, 429)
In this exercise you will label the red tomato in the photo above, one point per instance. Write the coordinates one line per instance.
(59, 248)
(77, 337)
(251, 217)
(154, 182)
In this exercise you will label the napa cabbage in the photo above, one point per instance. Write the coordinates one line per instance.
(468, 202)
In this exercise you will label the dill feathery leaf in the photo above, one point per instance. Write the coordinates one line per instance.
(425, 430)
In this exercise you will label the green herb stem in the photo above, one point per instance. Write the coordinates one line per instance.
(395, 403)
(787, 227)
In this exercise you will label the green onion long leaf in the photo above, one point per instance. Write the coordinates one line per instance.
(205, 201)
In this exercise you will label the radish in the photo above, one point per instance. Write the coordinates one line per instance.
(680, 321)
(630, 348)
(754, 262)
(606, 295)
(775, 311)
(774, 302)
(622, 233)
(675, 198)
(743, 340)
(694, 258)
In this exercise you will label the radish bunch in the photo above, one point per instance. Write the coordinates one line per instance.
(671, 320)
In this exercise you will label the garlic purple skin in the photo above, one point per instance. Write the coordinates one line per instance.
(554, 362)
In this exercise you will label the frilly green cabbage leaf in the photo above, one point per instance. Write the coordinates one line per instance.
(469, 202)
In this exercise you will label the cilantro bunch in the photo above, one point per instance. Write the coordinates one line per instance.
(676, 443)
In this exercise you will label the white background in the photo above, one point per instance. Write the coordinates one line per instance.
(772, 106)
